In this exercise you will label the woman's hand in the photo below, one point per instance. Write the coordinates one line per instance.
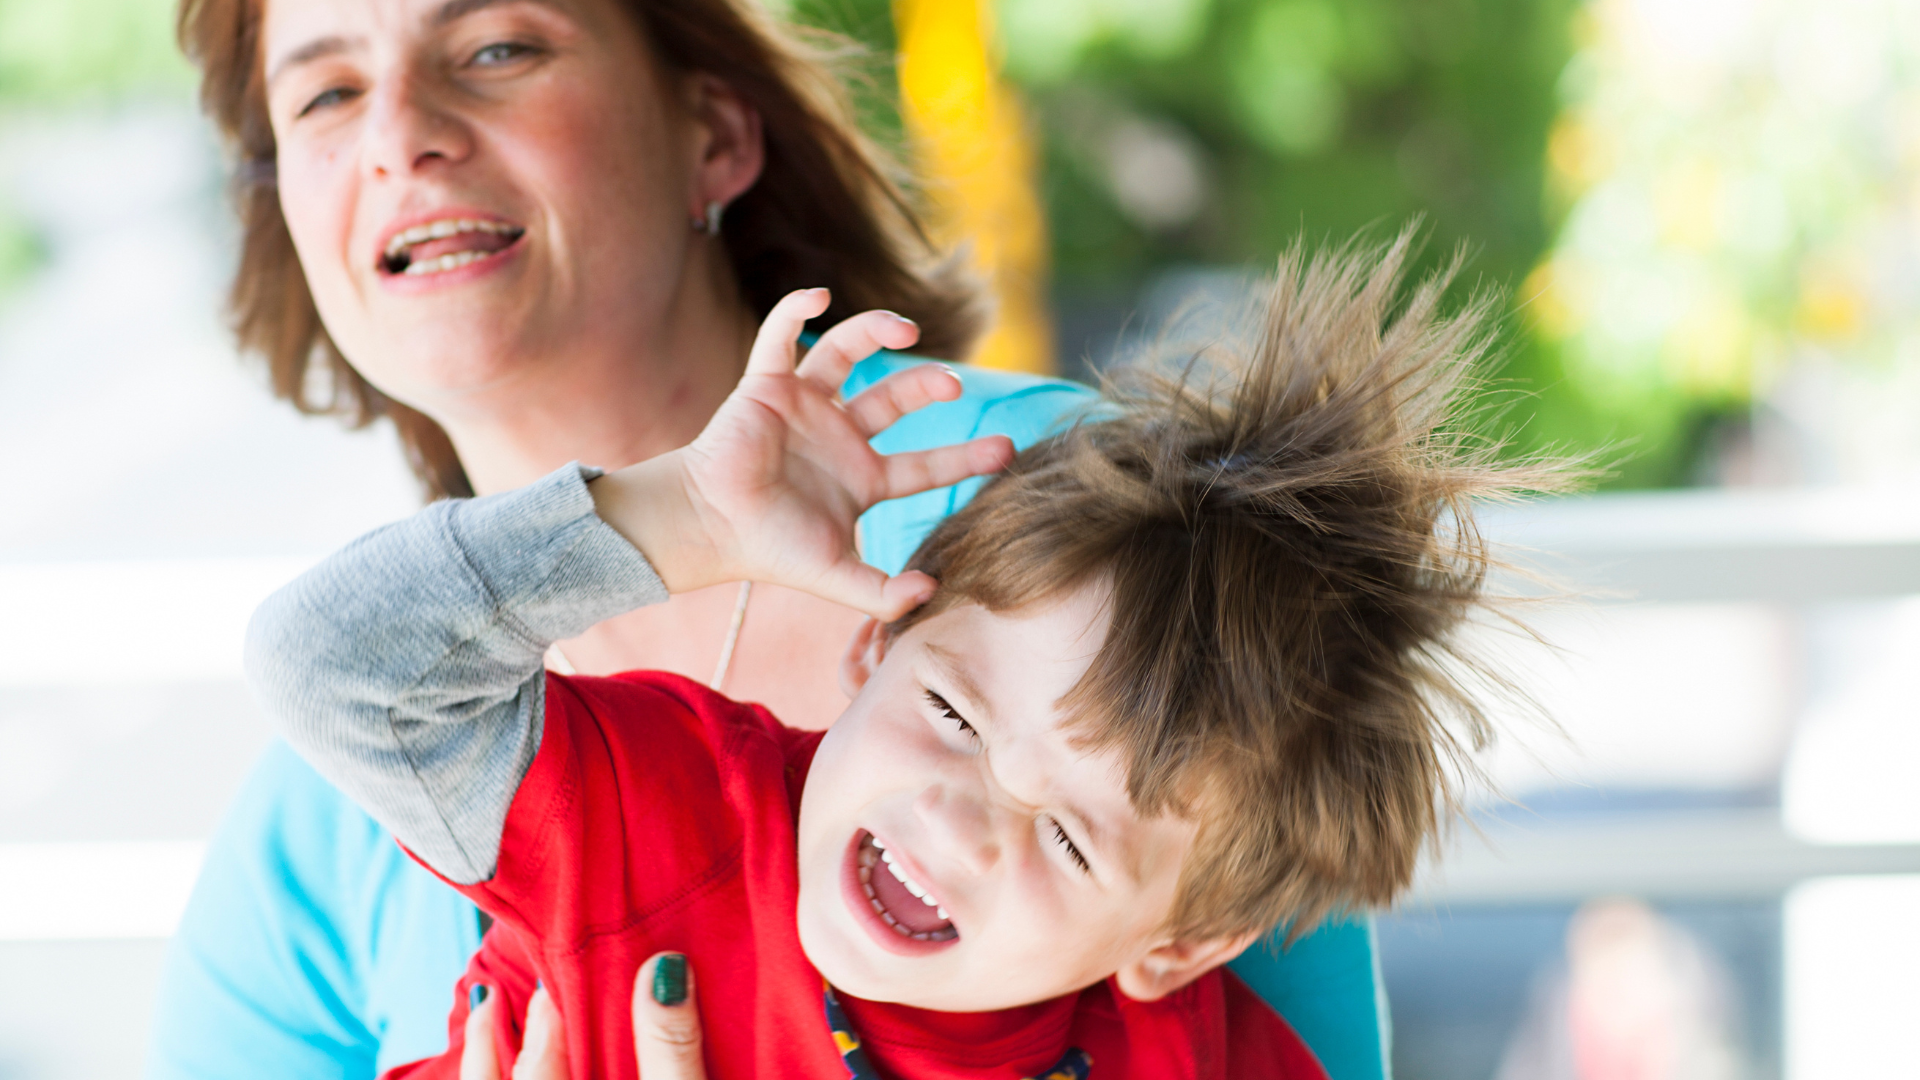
(666, 1030)
(771, 489)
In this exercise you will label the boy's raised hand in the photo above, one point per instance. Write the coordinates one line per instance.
(771, 489)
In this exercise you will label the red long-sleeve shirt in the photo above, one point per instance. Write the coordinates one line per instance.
(659, 815)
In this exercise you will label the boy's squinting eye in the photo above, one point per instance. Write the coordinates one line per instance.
(941, 706)
(1073, 850)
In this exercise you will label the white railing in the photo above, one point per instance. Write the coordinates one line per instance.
(1790, 549)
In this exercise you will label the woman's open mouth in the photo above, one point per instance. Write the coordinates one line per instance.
(909, 912)
(436, 247)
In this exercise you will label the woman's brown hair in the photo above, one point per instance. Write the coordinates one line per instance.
(828, 208)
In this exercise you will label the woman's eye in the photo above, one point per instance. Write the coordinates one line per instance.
(327, 98)
(1073, 852)
(500, 52)
(941, 706)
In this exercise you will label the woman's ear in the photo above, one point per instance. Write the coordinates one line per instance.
(729, 144)
(1169, 967)
(864, 653)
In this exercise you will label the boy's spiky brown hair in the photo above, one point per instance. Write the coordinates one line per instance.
(1284, 520)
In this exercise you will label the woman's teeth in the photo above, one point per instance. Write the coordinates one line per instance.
(444, 262)
(443, 252)
(440, 230)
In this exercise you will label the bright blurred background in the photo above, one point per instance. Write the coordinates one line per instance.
(1706, 215)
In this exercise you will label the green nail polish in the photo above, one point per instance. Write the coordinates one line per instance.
(670, 979)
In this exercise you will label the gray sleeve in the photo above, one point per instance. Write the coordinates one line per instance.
(407, 667)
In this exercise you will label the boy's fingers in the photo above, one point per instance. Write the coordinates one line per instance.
(924, 470)
(543, 1049)
(773, 346)
(666, 1025)
(853, 340)
(868, 589)
(477, 1058)
(875, 409)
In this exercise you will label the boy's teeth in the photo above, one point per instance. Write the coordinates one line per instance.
(912, 886)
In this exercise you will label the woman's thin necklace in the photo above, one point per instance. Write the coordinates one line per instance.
(557, 661)
(719, 680)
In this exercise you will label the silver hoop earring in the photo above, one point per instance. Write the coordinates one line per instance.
(710, 223)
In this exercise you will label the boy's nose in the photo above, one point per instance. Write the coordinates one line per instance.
(960, 824)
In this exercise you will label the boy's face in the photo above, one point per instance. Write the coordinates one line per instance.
(954, 769)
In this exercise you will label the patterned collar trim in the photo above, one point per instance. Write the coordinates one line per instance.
(1075, 1064)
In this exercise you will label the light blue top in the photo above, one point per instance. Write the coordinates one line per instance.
(312, 947)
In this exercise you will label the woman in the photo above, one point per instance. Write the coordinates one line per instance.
(528, 232)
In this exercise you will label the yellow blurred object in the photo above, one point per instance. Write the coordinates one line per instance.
(1831, 307)
(976, 156)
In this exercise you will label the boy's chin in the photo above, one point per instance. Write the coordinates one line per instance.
(863, 970)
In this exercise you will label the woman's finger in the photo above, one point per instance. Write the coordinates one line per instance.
(543, 1049)
(478, 1061)
(666, 1025)
(852, 340)
(774, 345)
(875, 409)
(924, 470)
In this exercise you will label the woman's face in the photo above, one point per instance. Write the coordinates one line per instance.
(479, 189)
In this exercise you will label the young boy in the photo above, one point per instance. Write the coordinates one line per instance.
(1181, 682)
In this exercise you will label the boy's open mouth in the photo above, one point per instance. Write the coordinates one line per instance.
(446, 244)
(902, 903)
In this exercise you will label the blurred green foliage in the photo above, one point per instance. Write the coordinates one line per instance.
(1215, 132)
(67, 53)
(21, 252)
(59, 51)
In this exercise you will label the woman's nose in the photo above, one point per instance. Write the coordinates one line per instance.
(961, 825)
(408, 131)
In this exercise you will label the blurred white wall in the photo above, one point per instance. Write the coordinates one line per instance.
(150, 494)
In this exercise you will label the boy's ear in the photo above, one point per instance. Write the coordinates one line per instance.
(1171, 966)
(864, 653)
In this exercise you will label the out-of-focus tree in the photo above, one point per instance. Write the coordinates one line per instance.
(1213, 133)
(56, 53)
(1742, 184)
(76, 53)
(1216, 131)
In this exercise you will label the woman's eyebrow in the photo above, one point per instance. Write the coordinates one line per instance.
(318, 48)
(335, 44)
(459, 9)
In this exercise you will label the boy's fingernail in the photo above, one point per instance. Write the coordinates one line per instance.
(476, 996)
(670, 979)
